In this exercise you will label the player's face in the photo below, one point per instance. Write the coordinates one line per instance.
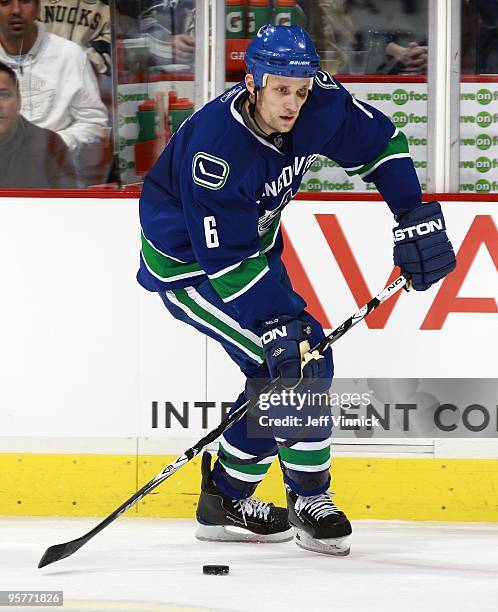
(279, 103)
(9, 106)
(17, 18)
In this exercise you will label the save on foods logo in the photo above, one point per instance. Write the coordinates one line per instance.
(398, 96)
(481, 234)
(316, 185)
(333, 182)
(480, 186)
(401, 96)
(400, 119)
(483, 96)
(481, 164)
(483, 142)
(483, 119)
(320, 163)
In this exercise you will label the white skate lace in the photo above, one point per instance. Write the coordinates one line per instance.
(318, 506)
(252, 507)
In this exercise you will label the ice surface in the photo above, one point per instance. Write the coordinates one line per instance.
(149, 565)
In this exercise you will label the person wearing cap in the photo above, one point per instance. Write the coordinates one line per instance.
(211, 248)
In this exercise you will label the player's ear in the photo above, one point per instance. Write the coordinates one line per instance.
(250, 85)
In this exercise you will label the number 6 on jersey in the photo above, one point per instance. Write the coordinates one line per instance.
(211, 234)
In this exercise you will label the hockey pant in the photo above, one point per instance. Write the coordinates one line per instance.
(248, 448)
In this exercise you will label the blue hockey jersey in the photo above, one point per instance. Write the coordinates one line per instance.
(211, 205)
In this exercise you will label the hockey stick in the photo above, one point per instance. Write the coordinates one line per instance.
(61, 551)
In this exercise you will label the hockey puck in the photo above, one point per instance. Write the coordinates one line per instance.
(215, 570)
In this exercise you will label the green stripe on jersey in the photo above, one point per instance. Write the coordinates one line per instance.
(304, 457)
(166, 267)
(238, 280)
(398, 145)
(183, 297)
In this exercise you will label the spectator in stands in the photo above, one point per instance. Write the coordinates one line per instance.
(480, 37)
(331, 28)
(479, 43)
(85, 23)
(396, 36)
(173, 22)
(167, 25)
(336, 27)
(410, 59)
(58, 87)
(30, 156)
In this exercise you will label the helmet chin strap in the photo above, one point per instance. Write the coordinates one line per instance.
(252, 111)
(252, 105)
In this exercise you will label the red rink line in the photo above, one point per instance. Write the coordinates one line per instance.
(343, 78)
(365, 197)
(419, 78)
(381, 78)
(126, 194)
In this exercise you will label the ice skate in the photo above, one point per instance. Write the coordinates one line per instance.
(319, 525)
(224, 519)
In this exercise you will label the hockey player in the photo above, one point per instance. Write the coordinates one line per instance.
(211, 247)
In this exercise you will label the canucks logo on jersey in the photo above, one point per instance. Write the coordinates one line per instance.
(325, 81)
(209, 171)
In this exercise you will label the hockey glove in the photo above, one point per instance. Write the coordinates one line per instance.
(421, 246)
(287, 350)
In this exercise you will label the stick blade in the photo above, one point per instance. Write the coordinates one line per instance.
(60, 551)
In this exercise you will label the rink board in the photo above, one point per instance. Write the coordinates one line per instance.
(95, 485)
(87, 353)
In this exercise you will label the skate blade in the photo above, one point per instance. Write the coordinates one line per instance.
(223, 533)
(337, 547)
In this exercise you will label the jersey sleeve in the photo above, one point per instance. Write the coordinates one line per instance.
(368, 145)
(221, 214)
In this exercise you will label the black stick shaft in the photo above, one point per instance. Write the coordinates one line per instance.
(60, 551)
